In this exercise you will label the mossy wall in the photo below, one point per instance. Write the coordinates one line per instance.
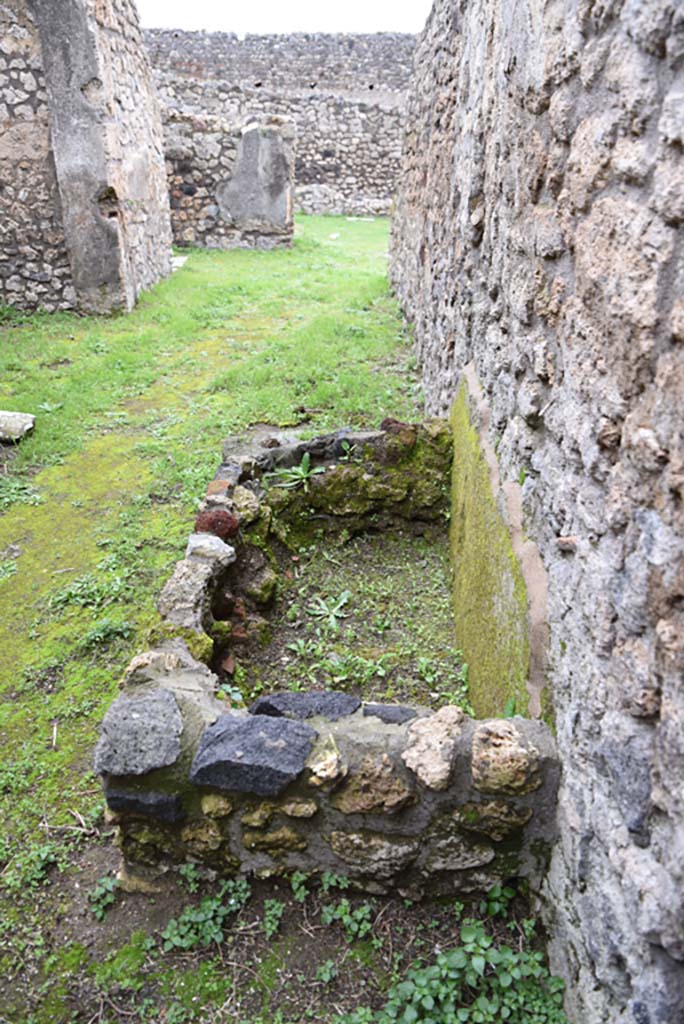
(490, 599)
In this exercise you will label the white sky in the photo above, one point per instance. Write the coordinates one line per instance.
(266, 16)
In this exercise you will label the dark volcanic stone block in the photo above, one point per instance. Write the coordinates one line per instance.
(162, 806)
(139, 733)
(252, 755)
(332, 705)
(392, 714)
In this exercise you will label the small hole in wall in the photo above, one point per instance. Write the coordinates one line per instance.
(108, 202)
(371, 87)
(312, 85)
(257, 85)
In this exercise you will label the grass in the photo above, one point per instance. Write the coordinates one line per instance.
(96, 505)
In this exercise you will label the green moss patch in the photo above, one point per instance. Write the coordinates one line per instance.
(489, 596)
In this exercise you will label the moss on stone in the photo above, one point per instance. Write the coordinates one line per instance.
(490, 599)
(200, 645)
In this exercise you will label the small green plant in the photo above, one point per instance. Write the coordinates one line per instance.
(273, 914)
(497, 901)
(15, 491)
(105, 632)
(356, 921)
(231, 693)
(293, 477)
(103, 896)
(327, 972)
(88, 591)
(298, 884)
(329, 880)
(204, 925)
(329, 611)
(509, 708)
(7, 569)
(190, 874)
(30, 867)
(475, 983)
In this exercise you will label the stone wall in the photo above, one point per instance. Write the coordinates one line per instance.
(230, 188)
(34, 261)
(81, 149)
(537, 247)
(346, 95)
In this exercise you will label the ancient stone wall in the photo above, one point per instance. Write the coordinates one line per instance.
(81, 149)
(230, 188)
(538, 247)
(346, 95)
(34, 262)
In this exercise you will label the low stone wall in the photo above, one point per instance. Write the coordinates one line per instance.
(388, 795)
(385, 794)
(230, 187)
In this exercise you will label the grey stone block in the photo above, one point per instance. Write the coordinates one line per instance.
(252, 755)
(15, 425)
(139, 734)
(331, 705)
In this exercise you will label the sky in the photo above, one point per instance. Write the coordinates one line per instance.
(266, 16)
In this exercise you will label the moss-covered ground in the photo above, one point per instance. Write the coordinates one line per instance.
(95, 509)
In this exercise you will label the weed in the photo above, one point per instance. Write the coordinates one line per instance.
(329, 881)
(298, 882)
(88, 591)
(329, 611)
(327, 972)
(15, 491)
(30, 867)
(105, 632)
(356, 921)
(204, 925)
(191, 876)
(273, 913)
(497, 901)
(476, 983)
(7, 569)
(294, 477)
(103, 896)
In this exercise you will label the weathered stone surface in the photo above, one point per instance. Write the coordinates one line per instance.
(218, 521)
(299, 808)
(277, 843)
(502, 761)
(139, 733)
(15, 425)
(493, 818)
(392, 714)
(431, 745)
(206, 547)
(202, 837)
(246, 505)
(326, 765)
(537, 242)
(333, 705)
(349, 126)
(85, 210)
(258, 816)
(379, 856)
(215, 805)
(162, 806)
(185, 599)
(452, 853)
(252, 755)
(373, 786)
